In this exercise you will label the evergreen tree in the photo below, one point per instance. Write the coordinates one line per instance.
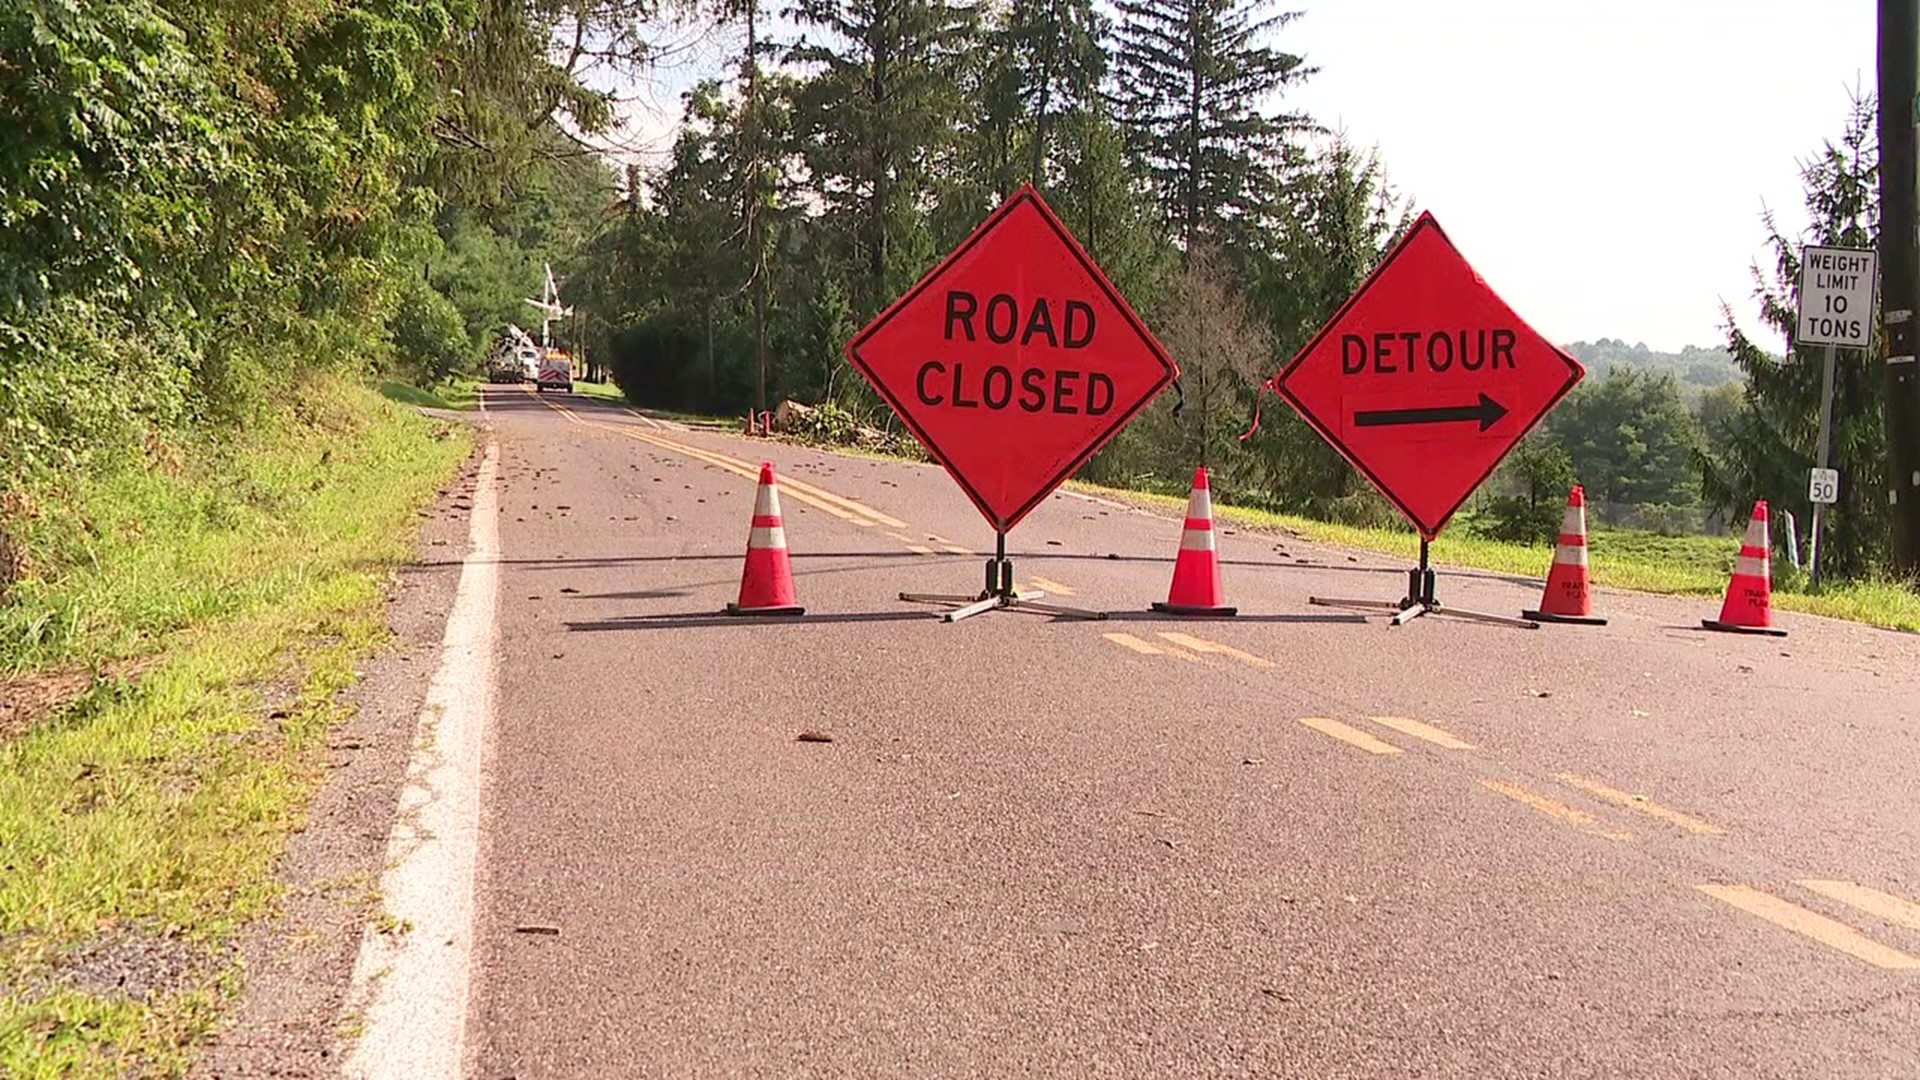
(1768, 445)
(1631, 441)
(1195, 88)
(874, 119)
(1342, 218)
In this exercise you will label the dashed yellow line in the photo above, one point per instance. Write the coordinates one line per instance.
(1641, 804)
(1884, 906)
(949, 546)
(1201, 645)
(1553, 809)
(1350, 735)
(1128, 641)
(1418, 730)
(1811, 924)
(917, 549)
(1148, 648)
(1052, 586)
(788, 482)
(802, 492)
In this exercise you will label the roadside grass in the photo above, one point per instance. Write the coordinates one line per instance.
(604, 391)
(454, 394)
(146, 818)
(1621, 559)
(608, 391)
(408, 394)
(460, 393)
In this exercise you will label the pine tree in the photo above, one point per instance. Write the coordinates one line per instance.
(1194, 89)
(873, 119)
(1341, 218)
(1767, 447)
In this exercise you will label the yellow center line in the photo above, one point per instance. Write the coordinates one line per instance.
(1811, 924)
(851, 505)
(1052, 586)
(1350, 735)
(1418, 730)
(1885, 906)
(1641, 803)
(718, 461)
(1204, 646)
(910, 545)
(1128, 641)
(1552, 808)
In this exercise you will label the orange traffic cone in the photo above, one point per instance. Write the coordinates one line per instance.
(1196, 571)
(766, 584)
(1567, 598)
(1748, 608)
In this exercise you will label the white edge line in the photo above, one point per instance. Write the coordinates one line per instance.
(411, 982)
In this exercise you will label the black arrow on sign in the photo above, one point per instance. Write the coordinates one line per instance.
(1488, 412)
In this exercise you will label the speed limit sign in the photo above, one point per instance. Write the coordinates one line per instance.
(1823, 486)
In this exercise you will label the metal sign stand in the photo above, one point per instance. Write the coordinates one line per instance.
(1420, 600)
(1822, 456)
(999, 594)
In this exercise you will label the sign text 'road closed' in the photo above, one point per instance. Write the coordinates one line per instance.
(1032, 389)
(1425, 379)
(1014, 360)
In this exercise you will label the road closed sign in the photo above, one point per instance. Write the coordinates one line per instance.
(1425, 380)
(1836, 297)
(1014, 360)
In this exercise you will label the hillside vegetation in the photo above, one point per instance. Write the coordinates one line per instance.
(1694, 368)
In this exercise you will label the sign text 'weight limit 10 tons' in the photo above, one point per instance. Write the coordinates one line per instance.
(1836, 297)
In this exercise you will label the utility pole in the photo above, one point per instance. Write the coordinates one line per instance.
(1899, 103)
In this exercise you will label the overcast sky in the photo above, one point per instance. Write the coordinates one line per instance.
(1604, 166)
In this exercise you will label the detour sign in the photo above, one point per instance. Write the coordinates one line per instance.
(1426, 379)
(1014, 360)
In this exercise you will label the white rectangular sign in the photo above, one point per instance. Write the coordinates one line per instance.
(1823, 486)
(1836, 297)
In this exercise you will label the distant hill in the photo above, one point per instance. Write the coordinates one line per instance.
(1694, 368)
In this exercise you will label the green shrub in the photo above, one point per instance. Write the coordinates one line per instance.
(430, 335)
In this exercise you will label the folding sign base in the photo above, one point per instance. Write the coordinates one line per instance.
(1420, 601)
(999, 595)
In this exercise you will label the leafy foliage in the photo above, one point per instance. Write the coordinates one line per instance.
(202, 201)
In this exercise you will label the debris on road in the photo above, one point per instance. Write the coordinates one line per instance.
(548, 931)
(814, 735)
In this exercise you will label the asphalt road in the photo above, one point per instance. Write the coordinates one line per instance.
(1293, 843)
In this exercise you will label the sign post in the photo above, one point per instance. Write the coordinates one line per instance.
(1425, 380)
(1836, 310)
(1013, 362)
